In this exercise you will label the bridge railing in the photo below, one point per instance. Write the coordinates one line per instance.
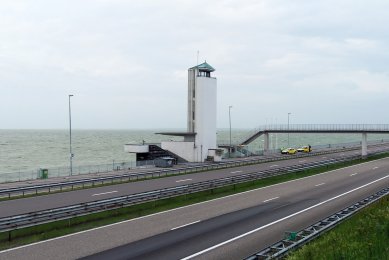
(326, 127)
(317, 127)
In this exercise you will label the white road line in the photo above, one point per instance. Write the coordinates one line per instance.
(279, 220)
(375, 168)
(184, 180)
(319, 184)
(353, 174)
(303, 161)
(271, 199)
(236, 172)
(275, 165)
(191, 223)
(98, 194)
(324, 157)
(176, 209)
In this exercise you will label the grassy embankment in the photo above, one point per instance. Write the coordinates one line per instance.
(59, 228)
(363, 236)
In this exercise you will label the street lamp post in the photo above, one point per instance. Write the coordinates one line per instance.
(70, 137)
(288, 127)
(229, 115)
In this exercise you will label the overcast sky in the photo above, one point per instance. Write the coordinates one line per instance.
(126, 61)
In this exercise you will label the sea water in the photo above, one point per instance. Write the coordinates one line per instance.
(25, 150)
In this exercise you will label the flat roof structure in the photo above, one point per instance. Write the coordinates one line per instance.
(184, 134)
(204, 67)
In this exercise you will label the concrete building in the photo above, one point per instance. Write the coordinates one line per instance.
(200, 138)
(199, 141)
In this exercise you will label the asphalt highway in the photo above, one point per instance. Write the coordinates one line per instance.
(226, 228)
(26, 205)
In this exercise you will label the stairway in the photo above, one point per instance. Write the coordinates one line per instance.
(156, 152)
(245, 151)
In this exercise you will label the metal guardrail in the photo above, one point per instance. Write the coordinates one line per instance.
(77, 170)
(300, 238)
(40, 217)
(91, 182)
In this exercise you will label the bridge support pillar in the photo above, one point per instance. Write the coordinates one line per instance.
(266, 143)
(364, 145)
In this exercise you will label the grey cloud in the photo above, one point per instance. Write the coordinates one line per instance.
(126, 61)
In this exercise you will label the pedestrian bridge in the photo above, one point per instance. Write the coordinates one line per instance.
(363, 129)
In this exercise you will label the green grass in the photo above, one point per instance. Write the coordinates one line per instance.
(63, 227)
(363, 236)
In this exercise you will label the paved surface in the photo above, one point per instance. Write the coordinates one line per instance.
(189, 230)
(26, 205)
(141, 169)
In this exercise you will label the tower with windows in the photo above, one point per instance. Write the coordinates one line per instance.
(199, 141)
(202, 101)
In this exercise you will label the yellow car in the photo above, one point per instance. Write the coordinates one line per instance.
(305, 149)
(289, 151)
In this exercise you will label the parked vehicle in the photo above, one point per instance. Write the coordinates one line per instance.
(305, 149)
(289, 151)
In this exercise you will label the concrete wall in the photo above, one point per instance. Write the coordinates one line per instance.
(216, 154)
(136, 148)
(185, 150)
(205, 115)
(191, 98)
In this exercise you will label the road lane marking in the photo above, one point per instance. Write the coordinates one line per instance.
(184, 180)
(275, 165)
(236, 172)
(375, 168)
(191, 223)
(353, 174)
(103, 193)
(303, 161)
(271, 199)
(279, 220)
(319, 184)
(324, 157)
(175, 209)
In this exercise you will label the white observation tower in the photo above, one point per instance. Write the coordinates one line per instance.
(200, 138)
